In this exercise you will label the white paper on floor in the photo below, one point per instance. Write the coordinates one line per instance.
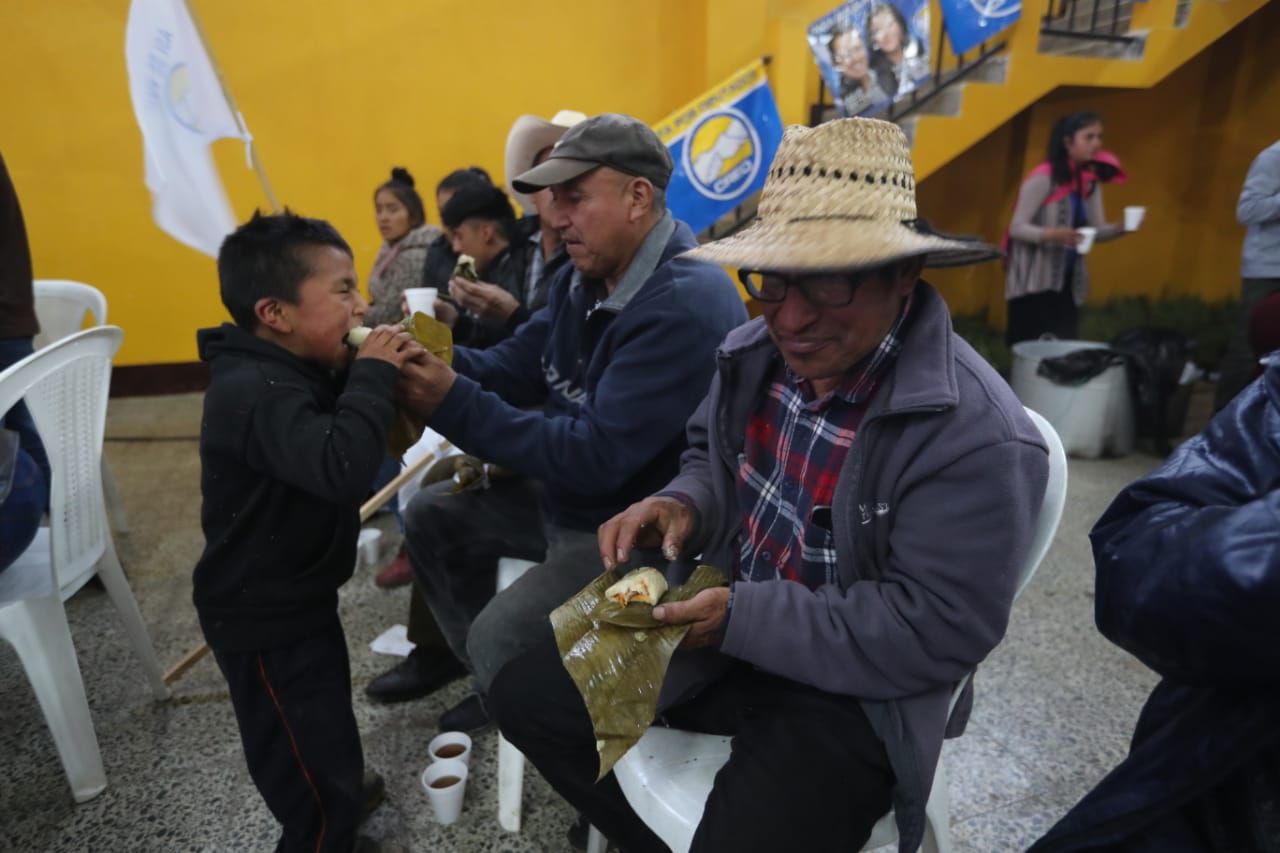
(393, 641)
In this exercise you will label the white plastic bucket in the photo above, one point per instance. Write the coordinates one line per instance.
(1092, 419)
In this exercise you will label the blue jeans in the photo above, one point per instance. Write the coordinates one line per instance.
(389, 471)
(18, 419)
(22, 510)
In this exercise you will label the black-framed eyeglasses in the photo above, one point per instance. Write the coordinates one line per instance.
(826, 290)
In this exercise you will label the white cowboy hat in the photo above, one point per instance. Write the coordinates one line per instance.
(529, 135)
(839, 197)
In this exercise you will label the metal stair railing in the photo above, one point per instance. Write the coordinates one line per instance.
(1089, 20)
(949, 69)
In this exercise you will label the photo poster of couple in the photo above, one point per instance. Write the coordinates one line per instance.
(872, 52)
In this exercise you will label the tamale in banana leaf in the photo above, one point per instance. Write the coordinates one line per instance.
(438, 339)
(619, 669)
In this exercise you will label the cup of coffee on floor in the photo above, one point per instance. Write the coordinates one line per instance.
(455, 745)
(1086, 244)
(445, 782)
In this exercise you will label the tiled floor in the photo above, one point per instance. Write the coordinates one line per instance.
(1055, 701)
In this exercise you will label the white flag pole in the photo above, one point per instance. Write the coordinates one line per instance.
(231, 102)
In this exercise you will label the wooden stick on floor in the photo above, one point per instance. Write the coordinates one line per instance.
(367, 509)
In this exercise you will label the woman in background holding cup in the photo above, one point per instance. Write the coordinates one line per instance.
(402, 223)
(1045, 279)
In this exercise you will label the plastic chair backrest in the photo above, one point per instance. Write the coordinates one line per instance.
(1055, 499)
(61, 306)
(65, 386)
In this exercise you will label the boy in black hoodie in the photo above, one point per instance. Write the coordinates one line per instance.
(293, 433)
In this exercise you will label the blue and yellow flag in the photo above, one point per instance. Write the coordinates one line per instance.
(721, 144)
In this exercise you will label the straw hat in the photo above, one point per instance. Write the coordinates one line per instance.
(529, 135)
(840, 196)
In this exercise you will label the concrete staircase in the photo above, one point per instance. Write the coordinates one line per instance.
(1102, 43)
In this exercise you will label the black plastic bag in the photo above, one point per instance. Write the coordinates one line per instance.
(1078, 367)
(1155, 359)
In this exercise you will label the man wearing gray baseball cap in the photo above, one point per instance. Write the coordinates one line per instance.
(620, 142)
(616, 363)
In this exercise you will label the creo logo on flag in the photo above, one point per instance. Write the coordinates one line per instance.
(180, 100)
(721, 144)
(723, 154)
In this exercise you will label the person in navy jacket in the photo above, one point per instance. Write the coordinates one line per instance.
(1188, 581)
(588, 400)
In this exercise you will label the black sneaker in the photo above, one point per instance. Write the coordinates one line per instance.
(418, 675)
(468, 716)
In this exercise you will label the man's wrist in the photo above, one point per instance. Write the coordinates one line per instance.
(724, 622)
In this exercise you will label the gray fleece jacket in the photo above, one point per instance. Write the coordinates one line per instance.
(933, 517)
(1259, 209)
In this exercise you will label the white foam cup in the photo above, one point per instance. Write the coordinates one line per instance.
(451, 745)
(445, 783)
(1133, 217)
(1086, 244)
(421, 299)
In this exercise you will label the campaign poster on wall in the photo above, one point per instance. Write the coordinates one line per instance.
(872, 52)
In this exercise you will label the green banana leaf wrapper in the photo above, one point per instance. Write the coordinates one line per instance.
(438, 339)
(619, 668)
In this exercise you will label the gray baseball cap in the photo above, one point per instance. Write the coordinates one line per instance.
(609, 139)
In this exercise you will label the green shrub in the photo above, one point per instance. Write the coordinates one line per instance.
(1207, 323)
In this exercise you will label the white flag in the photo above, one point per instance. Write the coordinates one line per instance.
(180, 109)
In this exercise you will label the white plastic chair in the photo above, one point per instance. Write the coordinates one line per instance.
(33, 621)
(65, 387)
(511, 760)
(668, 774)
(62, 307)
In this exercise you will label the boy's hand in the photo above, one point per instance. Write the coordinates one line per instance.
(390, 343)
(424, 382)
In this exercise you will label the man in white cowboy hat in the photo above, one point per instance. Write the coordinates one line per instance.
(615, 364)
(528, 144)
(869, 484)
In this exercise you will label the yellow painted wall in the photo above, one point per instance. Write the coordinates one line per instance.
(337, 92)
(1187, 143)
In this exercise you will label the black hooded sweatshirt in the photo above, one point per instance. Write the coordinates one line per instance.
(288, 451)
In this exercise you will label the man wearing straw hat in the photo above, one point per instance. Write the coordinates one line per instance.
(869, 483)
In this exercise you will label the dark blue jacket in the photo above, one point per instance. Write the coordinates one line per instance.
(1188, 581)
(616, 380)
